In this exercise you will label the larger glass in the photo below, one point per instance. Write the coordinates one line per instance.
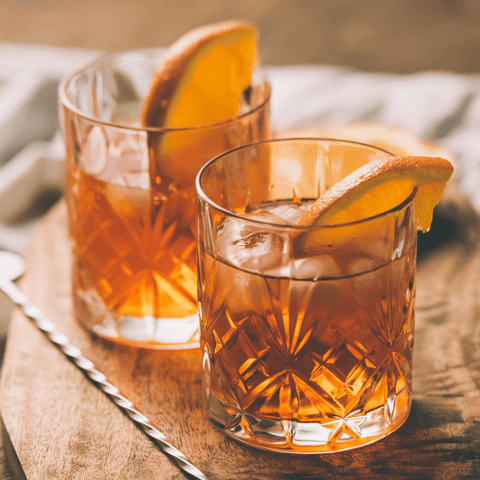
(130, 198)
(306, 331)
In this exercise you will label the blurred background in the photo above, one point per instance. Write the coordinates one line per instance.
(375, 35)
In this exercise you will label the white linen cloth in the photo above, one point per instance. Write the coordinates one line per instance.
(440, 106)
(31, 150)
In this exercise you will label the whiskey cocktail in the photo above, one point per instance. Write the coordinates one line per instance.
(131, 162)
(306, 328)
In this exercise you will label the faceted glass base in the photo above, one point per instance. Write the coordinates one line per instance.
(145, 332)
(337, 434)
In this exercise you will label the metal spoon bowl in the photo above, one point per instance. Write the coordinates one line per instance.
(12, 265)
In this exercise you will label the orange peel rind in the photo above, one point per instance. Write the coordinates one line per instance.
(381, 185)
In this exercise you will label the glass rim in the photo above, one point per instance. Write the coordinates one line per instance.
(200, 192)
(101, 60)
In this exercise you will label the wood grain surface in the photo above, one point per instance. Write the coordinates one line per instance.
(61, 426)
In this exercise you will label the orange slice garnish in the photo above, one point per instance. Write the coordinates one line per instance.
(202, 76)
(381, 185)
(200, 81)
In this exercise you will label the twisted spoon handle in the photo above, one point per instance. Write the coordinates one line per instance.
(98, 378)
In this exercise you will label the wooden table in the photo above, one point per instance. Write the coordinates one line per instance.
(58, 425)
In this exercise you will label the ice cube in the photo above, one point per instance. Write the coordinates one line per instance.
(130, 204)
(288, 213)
(94, 151)
(250, 247)
(117, 157)
(245, 251)
(266, 217)
(359, 264)
(317, 267)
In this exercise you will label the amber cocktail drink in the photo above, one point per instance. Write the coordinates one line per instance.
(306, 331)
(130, 196)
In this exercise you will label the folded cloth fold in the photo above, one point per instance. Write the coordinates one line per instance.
(439, 106)
(31, 150)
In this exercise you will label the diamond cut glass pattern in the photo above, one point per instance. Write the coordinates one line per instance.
(277, 368)
(130, 194)
(136, 262)
(306, 351)
(338, 375)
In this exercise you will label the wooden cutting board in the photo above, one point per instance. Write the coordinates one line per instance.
(58, 425)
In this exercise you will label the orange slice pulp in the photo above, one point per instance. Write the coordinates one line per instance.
(200, 81)
(381, 185)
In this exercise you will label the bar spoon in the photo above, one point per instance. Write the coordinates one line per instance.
(12, 267)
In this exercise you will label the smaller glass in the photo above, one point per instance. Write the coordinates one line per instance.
(130, 193)
(306, 331)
